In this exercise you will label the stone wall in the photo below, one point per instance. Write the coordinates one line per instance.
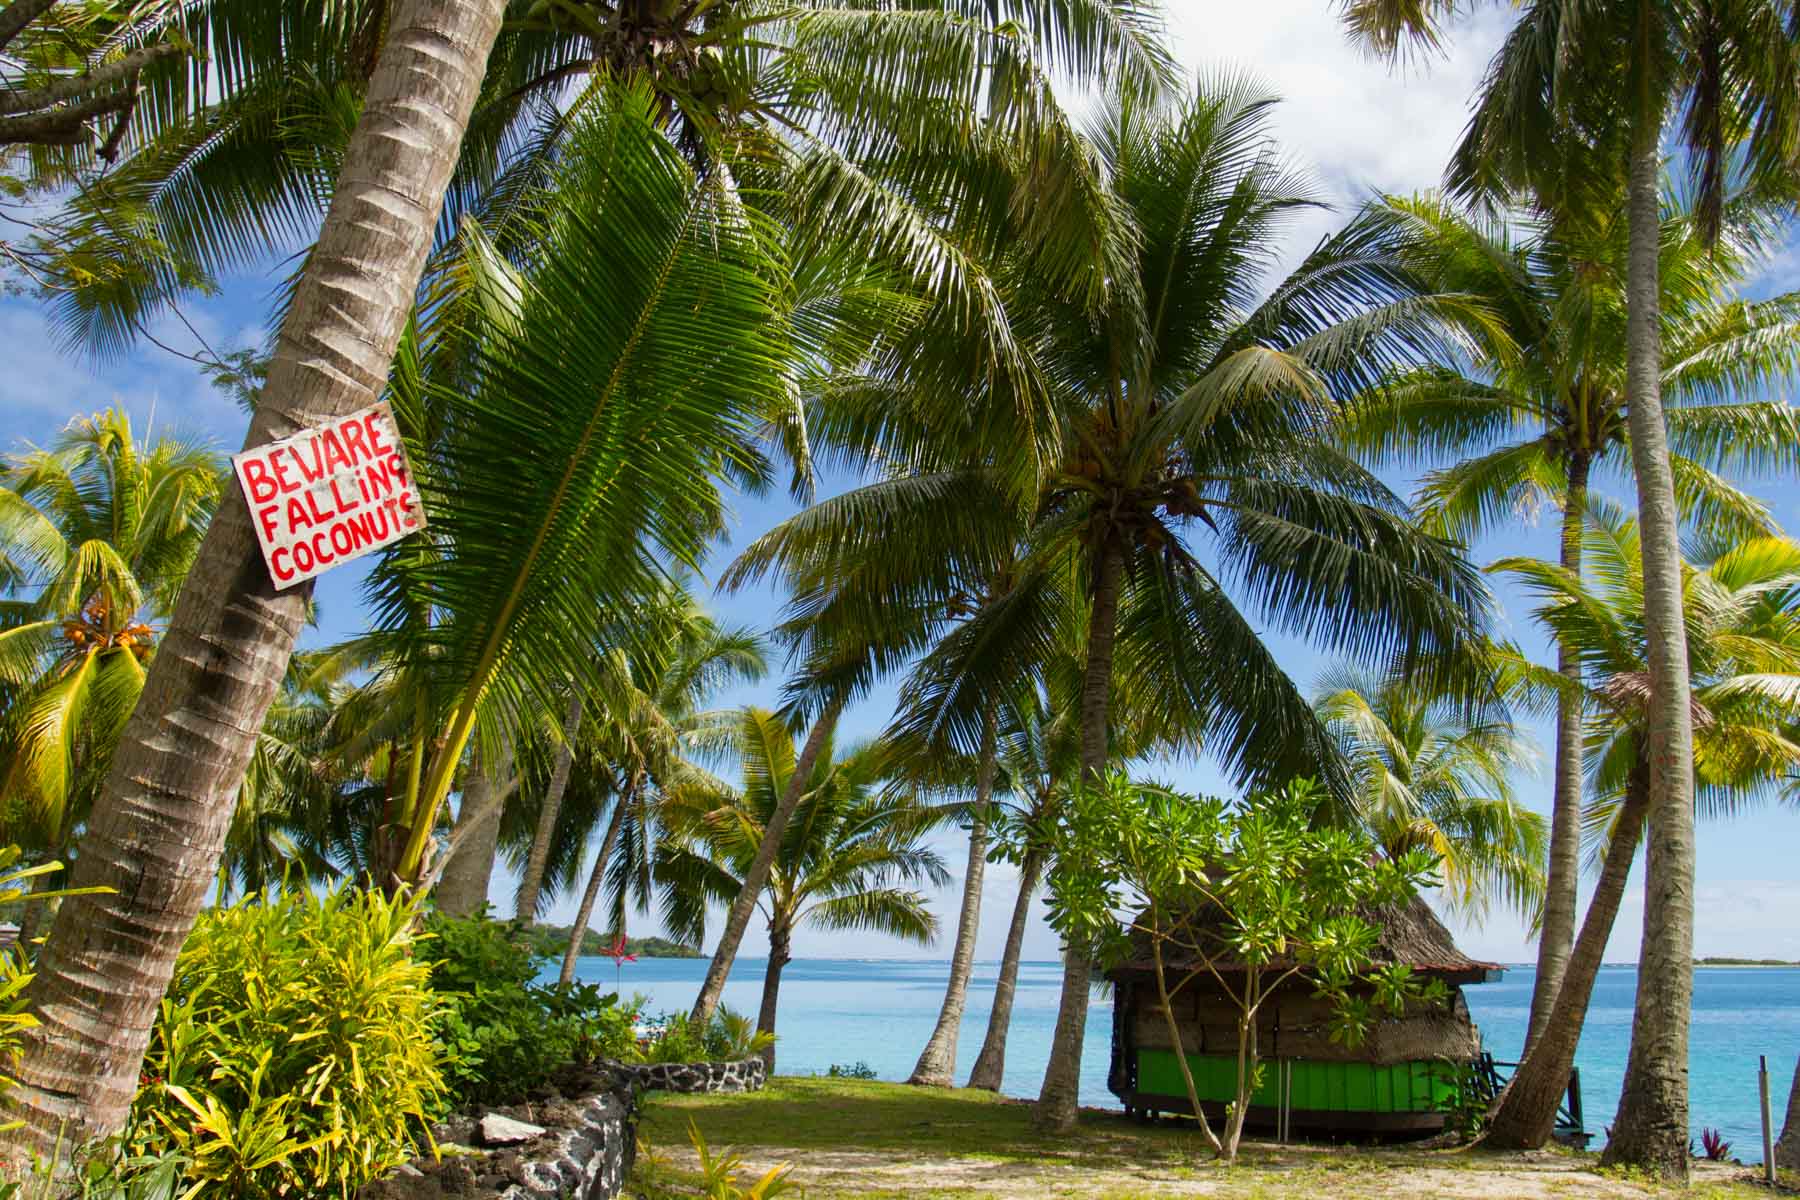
(586, 1153)
(741, 1075)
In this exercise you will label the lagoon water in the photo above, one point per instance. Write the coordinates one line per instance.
(880, 1011)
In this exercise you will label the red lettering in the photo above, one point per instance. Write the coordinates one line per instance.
(373, 423)
(353, 438)
(318, 541)
(303, 556)
(282, 573)
(334, 450)
(296, 516)
(263, 485)
(319, 515)
(265, 516)
(347, 544)
(376, 480)
(315, 471)
(342, 506)
(408, 513)
(397, 468)
(287, 484)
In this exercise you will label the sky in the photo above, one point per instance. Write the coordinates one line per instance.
(1361, 127)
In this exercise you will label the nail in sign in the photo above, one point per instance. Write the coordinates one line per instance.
(330, 494)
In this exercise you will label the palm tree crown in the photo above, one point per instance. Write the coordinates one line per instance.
(1430, 775)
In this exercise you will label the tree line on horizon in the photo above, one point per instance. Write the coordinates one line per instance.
(605, 271)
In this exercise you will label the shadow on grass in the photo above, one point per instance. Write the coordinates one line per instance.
(851, 1116)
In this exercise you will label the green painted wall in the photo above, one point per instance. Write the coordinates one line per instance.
(1321, 1086)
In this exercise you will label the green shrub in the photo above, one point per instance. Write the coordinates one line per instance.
(728, 1036)
(505, 1034)
(856, 1070)
(294, 1054)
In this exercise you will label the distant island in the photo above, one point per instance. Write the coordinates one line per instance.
(554, 940)
(1744, 962)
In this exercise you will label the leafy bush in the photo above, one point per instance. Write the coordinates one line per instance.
(728, 1036)
(505, 1034)
(856, 1070)
(293, 1055)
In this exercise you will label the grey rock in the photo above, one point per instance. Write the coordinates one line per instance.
(497, 1130)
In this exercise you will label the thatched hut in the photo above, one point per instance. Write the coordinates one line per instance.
(1399, 1080)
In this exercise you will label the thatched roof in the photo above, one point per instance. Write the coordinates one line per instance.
(1411, 934)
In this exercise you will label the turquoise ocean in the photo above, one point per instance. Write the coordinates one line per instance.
(880, 1011)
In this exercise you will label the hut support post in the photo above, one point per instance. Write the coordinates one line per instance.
(1168, 1012)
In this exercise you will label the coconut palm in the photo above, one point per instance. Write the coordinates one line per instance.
(168, 799)
(96, 534)
(1744, 647)
(652, 727)
(237, 151)
(1431, 775)
(843, 860)
(1564, 112)
(1186, 408)
(1533, 427)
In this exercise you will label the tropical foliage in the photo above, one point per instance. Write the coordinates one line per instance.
(294, 1054)
(844, 861)
(96, 535)
(1431, 775)
(1252, 888)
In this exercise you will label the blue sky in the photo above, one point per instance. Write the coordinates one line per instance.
(1361, 127)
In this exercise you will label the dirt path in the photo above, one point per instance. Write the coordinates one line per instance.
(1263, 1175)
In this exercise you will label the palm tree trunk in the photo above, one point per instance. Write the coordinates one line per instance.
(1651, 1128)
(157, 829)
(1059, 1098)
(462, 889)
(595, 878)
(1525, 1116)
(532, 881)
(937, 1062)
(990, 1064)
(1564, 869)
(780, 955)
(757, 878)
(1787, 1147)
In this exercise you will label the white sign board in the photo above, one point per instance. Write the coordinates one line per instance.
(328, 495)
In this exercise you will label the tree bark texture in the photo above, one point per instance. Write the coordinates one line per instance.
(596, 877)
(1651, 1128)
(937, 1062)
(531, 883)
(780, 955)
(1059, 1097)
(159, 825)
(757, 878)
(1563, 873)
(462, 889)
(990, 1065)
(1525, 1116)
(1787, 1146)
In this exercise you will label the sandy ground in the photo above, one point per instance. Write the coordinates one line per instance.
(1268, 1173)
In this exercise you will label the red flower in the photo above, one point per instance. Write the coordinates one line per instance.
(617, 952)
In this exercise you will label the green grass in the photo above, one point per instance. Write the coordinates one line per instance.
(882, 1141)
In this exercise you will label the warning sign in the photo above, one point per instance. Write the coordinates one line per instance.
(328, 495)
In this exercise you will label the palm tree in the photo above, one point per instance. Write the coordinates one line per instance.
(842, 860)
(1184, 405)
(96, 534)
(236, 153)
(652, 726)
(1744, 648)
(1562, 108)
(1430, 774)
(167, 802)
(1535, 425)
